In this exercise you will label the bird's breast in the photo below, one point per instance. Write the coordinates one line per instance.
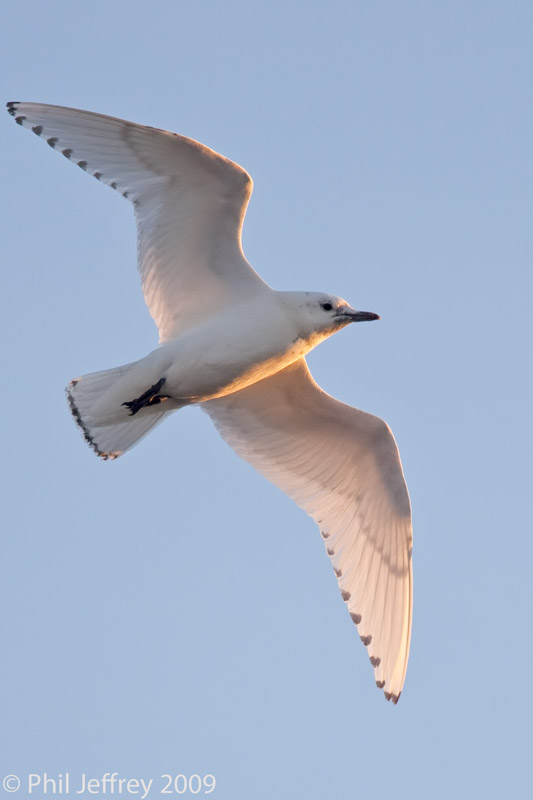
(206, 366)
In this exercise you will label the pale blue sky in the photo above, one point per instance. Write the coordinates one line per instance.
(172, 612)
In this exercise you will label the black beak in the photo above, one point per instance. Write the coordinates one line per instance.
(357, 316)
(364, 316)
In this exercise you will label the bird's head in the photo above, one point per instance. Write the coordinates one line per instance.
(323, 314)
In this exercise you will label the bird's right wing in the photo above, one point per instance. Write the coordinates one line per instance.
(189, 204)
(342, 466)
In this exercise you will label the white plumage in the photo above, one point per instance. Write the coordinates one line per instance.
(236, 347)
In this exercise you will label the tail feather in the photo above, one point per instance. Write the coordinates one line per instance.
(109, 438)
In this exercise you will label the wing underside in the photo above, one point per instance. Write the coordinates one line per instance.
(342, 466)
(189, 206)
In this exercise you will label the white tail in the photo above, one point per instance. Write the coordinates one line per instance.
(109, 428)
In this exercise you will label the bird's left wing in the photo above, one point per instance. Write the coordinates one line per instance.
(189, 205)
(342, 466)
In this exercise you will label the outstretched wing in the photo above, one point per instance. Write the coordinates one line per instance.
(342, 466)
(189, 204)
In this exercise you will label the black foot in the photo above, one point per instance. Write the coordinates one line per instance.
(150, 397)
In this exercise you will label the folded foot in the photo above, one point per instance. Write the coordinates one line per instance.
(150, 397)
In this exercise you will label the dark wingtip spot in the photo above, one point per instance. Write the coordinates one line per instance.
(12, 107)
(113, 185)
(125, 194)
(356, 617)
(324, 534)
(366, 640)
(67, 153)
(37, 129)
(345, 595)
(375, 661)
(52, 141)
(19, 120)
(380, 684)
(97, 175)
(338, 572)
(387, 695)
(395, 698)
(330, 551)
(82, 165)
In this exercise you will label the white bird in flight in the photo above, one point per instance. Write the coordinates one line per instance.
(236, 347)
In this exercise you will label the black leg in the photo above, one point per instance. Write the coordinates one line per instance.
(150, 397)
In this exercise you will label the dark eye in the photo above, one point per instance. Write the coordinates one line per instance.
(326, 306)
